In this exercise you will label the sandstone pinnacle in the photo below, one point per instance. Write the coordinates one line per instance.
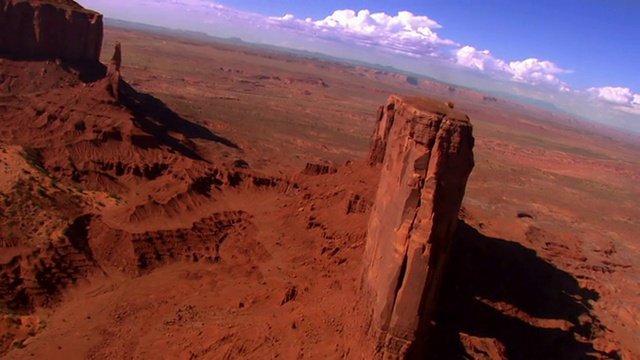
(113, 72)
(425, 148)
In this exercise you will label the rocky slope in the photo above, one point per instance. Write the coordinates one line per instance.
(83, 155)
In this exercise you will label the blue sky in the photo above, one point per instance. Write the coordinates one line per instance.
(581, 54)
(598, 39)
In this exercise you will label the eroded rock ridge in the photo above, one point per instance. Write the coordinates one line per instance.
(426, 151)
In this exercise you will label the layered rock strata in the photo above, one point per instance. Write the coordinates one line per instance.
(319, 169)
(426, 151)
(49, 29)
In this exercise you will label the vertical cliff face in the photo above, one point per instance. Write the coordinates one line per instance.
(427, 160)
(380, 135)
(49, 29)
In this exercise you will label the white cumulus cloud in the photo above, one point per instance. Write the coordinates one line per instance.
(404, 33)
(618, 95)
(481, 60)
(532, 70)
(415, 35)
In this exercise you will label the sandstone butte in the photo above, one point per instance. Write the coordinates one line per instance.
(49, 29)
(426, 151)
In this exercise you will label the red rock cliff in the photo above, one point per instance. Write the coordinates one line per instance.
(426, 151)
(51, 29)
(380, 135)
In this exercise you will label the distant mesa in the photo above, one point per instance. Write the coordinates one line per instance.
(49, 29)
(412, 80)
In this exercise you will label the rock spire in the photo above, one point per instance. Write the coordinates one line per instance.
(425, 148)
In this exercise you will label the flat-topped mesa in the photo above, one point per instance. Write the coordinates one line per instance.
(49, 29)
(426, 149)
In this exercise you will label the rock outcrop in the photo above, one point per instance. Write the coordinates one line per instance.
(49, 29)
(380, 135)
(427, 152)
(319, 169)
(113, 72)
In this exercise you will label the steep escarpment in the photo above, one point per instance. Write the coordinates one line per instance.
(427, 160)
(49, 29)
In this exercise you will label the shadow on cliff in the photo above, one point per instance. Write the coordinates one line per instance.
(149, 113)
(490, 280)
(87, 71)
(152, 116)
